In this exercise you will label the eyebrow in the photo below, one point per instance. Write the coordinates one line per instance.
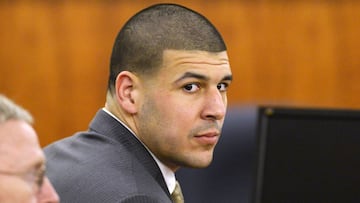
(200, 77)
(227, 77)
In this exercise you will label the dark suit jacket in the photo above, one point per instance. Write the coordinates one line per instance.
(105, 164)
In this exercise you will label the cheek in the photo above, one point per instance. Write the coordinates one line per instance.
(16, 191)
(170, 115)
(178, 127)
(177, 114)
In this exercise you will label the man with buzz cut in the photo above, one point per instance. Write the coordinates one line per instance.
(165, 107)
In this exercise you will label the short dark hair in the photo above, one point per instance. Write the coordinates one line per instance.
(140, 44)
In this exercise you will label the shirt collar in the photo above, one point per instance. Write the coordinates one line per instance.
(167, 173)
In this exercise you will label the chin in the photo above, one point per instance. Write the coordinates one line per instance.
(199, 163)
(195, 159)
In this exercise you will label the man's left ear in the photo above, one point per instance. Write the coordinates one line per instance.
(127, 92)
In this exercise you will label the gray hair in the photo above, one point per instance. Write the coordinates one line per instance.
(11, 111)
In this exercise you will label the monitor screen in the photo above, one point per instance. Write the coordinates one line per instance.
(308, 155)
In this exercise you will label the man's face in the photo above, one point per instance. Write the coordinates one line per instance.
(183, 107)
(22, 166)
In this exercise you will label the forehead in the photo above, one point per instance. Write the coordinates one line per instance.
(19, 146)
(181, 60)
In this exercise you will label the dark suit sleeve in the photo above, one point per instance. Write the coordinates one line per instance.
(139, 199)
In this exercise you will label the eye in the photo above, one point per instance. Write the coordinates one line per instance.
(191, 87)
(222, 87)
(40, 177)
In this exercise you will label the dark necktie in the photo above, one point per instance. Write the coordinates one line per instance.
(177, 196)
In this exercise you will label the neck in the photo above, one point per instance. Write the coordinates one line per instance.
(113, 107)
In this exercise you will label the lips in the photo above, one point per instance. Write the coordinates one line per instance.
(208, 138)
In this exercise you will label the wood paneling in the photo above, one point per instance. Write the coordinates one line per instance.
(55, 55)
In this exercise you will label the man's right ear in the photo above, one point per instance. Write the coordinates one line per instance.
(126, 90)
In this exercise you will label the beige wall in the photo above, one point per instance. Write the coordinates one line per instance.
(54, 56)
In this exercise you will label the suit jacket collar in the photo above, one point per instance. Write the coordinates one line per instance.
(109, 127)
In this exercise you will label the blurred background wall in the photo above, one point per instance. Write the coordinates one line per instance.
(54, 55)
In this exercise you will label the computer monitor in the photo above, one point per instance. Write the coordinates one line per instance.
(307, 155)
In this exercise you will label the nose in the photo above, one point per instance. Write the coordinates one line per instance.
(215, 105)
(48, 193)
